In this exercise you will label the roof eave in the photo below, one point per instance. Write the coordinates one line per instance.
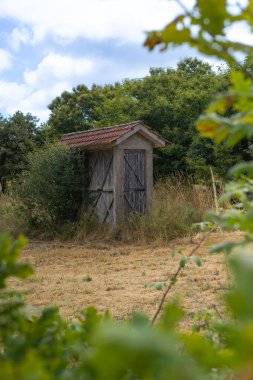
(99, 146)
(156, 140)
(91, 147)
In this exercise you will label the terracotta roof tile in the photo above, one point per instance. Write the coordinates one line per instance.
(94, 137)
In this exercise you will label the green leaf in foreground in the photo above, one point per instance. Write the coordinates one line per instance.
(226, 247)
(159, 286)
(183, 262)
(149, 284)
(196, 260)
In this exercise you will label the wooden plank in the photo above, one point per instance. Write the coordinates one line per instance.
(101, 183)
(134, 181)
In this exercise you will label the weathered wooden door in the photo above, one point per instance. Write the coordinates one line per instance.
(134, 181)
(101, 184)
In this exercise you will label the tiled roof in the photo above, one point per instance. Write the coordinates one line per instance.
(101, 136)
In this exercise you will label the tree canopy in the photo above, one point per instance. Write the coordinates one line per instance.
(169, 100)
(18, 136)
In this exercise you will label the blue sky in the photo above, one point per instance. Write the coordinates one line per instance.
(50, 46)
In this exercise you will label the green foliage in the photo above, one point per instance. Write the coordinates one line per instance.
(77, 110)
(52, 191)
(169, 100)
(9, 252)
(18, 136)
(204, 27)
(47, 347)
(228, 119)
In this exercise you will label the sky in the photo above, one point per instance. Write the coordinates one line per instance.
(49, 46)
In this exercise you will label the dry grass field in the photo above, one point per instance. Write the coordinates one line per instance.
(114, 277)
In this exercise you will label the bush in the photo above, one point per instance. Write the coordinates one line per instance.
(52, 191)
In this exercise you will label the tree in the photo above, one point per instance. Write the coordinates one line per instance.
(228, 119)
(169, 100)
(18, 138)
(76, 110)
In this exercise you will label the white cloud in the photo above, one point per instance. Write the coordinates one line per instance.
(53, 75)
(26, 99)
(37, 100)
(19, 35)
(58, 67)
(240, 32)
(11, 91)
(125, 20)
(5, 60)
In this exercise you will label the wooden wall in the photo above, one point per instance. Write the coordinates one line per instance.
(101, 184)
(121, 179)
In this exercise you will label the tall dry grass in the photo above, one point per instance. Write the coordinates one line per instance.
(11, 221)
(177, 205)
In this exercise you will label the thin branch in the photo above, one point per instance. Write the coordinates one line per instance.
(225, 50)
(187, 12)
(217, 311)
(215, 198)
(174, 277)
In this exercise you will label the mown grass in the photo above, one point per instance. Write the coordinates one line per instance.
(114, 276)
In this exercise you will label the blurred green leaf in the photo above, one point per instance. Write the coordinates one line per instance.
(183, 262)
(196, 260)
(159, 286)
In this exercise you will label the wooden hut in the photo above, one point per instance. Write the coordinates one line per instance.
(120, 167)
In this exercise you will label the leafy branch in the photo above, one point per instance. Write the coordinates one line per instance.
(175, 276)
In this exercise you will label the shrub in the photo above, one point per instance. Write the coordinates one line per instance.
(52, 191)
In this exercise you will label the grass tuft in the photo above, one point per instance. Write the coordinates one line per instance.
(177, 205)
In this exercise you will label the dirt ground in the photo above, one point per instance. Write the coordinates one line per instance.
(110, 277)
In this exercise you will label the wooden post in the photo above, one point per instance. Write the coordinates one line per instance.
(215, 198)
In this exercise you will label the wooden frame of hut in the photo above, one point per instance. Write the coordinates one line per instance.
(120, 167)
